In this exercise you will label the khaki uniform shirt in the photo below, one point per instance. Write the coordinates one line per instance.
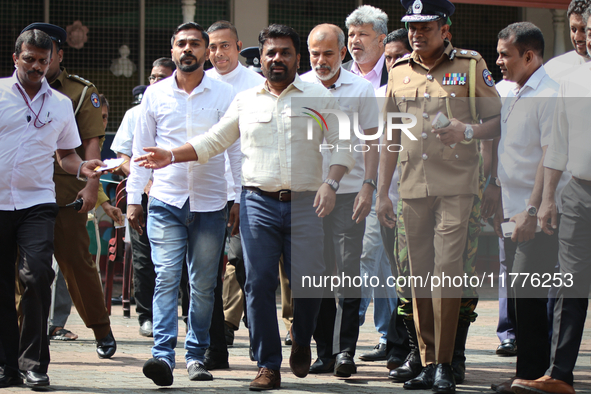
(90, 124)
(427, 167)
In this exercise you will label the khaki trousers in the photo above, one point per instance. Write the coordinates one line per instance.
(233, 297)
(436, 231)
(71, 244)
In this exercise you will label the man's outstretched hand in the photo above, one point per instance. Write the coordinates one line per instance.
(155, 158)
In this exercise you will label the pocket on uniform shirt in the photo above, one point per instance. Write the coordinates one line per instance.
(405, 99)
(256, 130)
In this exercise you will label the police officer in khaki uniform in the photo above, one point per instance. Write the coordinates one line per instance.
(438, 179)
(71, 238)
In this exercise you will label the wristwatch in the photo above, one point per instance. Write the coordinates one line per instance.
(334, 185)
(496, 181)
(83, 179)
(531, 210)
(370, 182)
(468, 133)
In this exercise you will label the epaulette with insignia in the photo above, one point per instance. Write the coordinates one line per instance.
(80, 79)
(467, 54)
(403, 59)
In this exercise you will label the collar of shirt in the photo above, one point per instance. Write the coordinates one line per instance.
(230, 75)
(203, 85)
(531, 85)
(374, 75)
(345, 78)
(45, 88)
(296, 84)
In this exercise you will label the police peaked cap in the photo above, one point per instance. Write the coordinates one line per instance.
(252, 55)
(56, 33)
(427, 10)
(138, 93)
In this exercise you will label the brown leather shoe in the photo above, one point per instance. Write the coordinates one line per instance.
(300, 359)
(545, 384)
(504, 387)
(266, 379)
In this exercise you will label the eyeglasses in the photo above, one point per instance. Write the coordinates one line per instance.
(153, 78)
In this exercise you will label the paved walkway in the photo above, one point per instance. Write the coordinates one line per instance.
(75, 367)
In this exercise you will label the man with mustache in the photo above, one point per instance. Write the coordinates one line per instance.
(71, 238)
(337, 328)
(436, 211)
(561, 66)
(187, 207)
(35, 122)
(367, 28)
(283, 196)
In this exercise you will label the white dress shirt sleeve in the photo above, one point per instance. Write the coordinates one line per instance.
(235, 157)
(123, 141)
(219, 138)
(341, 153)
(557, 152)
(69, 138)
(145, 136)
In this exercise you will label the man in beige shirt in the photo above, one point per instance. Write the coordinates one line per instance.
(283, 194)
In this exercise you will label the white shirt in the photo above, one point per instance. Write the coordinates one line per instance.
(273, 132)
(241, 79)
(355, 95)
(169, 118)
(570, 144)
(26, 152)
(562, 66)
(526, 125)
(123, 141)
(504, 87)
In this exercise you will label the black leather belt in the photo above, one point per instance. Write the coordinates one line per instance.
(281, 195)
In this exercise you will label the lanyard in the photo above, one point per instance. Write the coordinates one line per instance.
(31, 109)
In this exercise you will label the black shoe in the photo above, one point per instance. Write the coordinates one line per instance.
(288, 340)
(507, 348)
(146, 329)
(35, 379)
(198, 372)
(444, 381)
(107, 346)
(10, 377)
(322, 365)
(377, 354)
(410, 369)
(344, 365)
(394, 362)
(423, 381)
(215, 360)
(159, 371)
(229, 333)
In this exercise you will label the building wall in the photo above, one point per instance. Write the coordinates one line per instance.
(542, 18)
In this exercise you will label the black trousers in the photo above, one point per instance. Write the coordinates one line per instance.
(574, 257)
(534, 257)
(29, 234)
(337, 327)
(144, 276)
(396, 337)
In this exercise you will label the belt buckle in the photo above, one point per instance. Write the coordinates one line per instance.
(282, 192)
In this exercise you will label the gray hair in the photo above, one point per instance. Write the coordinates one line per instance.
(339, 32)
(367, 14)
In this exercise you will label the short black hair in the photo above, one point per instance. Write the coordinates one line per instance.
(190, 26)
(36, 38)
(223, 25)
(279, 31)
(526, 36)
(577, 7)
(400, 35)
(104, 100)
(164, 62)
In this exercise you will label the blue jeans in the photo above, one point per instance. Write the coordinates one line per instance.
(374, 262)
(175, 233)
(269, 228)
